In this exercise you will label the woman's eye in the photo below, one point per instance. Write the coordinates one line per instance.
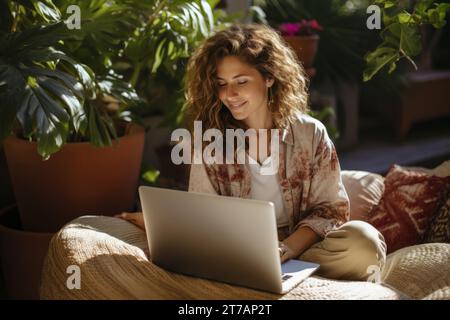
(221, 84)
(242, 82)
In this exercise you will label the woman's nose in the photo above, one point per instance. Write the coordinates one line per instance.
(232, 91)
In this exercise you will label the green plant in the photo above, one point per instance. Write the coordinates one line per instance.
(343, 41)
(40, 87)
(149, 175)
(157, 68)
(401, 36)
(59, 85)
(325, 115)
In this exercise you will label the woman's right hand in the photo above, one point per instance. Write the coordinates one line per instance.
(136, 218)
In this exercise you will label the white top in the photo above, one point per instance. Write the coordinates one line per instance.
(266, 187)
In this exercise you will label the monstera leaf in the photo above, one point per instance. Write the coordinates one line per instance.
(55, 80)
(41, 87)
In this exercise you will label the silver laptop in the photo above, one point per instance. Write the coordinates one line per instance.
(227, 239)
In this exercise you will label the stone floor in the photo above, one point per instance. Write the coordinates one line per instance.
(427, 144)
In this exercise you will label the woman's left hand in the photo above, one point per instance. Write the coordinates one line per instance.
(136, 218)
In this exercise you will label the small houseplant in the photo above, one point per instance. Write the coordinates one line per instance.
(339, 62)
(401, 34)
(303, 38)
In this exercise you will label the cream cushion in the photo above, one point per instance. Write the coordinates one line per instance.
(111, 255)
(364, 191)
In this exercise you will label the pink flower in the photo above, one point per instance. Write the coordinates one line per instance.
(289, 29)
(303, 27)
(315, 25)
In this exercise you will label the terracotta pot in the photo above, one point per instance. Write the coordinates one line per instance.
(22, 256)
(7, 194)
(305, 47)
(78, 180)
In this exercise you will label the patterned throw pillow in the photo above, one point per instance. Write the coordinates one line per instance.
(439, 229)
(409, 201)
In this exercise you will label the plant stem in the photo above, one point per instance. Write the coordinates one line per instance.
(135, 76)
(15, 21)
(408, 58)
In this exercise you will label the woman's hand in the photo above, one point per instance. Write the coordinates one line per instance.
(297, 243)
(286, 253)
(136, 218)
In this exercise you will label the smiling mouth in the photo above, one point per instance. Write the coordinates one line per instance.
(236, 106)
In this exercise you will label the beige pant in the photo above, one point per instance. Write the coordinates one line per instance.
(355, 251)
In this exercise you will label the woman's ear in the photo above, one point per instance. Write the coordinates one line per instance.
(269, 81)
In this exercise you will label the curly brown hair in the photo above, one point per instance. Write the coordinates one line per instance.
(259, 46)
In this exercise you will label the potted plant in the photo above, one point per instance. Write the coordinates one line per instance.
(54, 113)
(303, 38)
(69, 88)
(51, 103)
(158, 75)
(22, 255)
(69, 107)
(339, 62)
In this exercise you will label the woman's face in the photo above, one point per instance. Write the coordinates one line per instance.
(243, 90)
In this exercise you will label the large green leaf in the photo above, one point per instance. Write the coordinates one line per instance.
(42, 116)
(42, 36)
(64, 94)
(39, 86)
(52, 138)
(376, 60)
(410, 41)
(100, 126)
(66, 78)
(47, 10)
(119, 89)
(436, 16)
(106, 26)
(167, 37)
(423, 5)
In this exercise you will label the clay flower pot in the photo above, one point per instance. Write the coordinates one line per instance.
(305, 47)
(22, 256)
(80, 179)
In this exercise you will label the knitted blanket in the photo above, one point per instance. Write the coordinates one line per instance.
(111, 258)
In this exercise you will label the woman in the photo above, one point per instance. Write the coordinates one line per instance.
(247, 77)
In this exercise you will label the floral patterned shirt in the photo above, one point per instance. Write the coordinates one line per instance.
(309, 175)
